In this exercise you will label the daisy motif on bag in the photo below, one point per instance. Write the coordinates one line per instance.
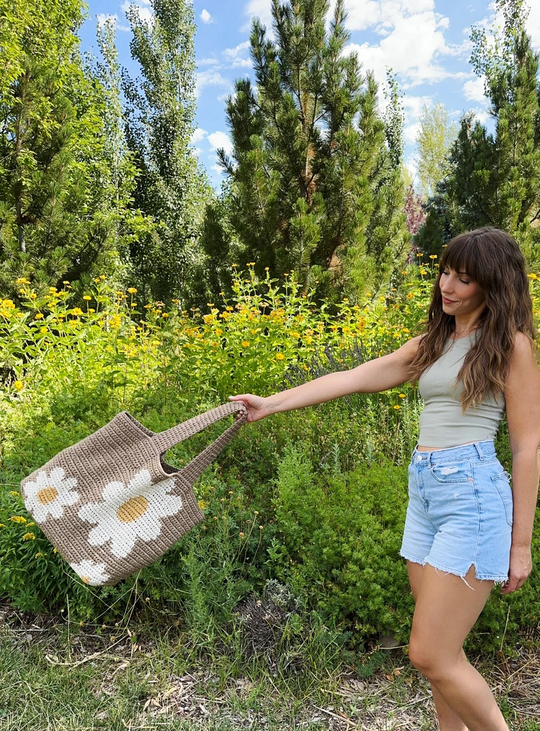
(130, 512)
(49, 494)
(91, 573)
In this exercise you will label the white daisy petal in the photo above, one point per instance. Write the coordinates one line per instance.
(113, 491)
(49, 494)
(130, 512)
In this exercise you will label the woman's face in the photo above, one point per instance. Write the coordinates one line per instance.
(460, 295)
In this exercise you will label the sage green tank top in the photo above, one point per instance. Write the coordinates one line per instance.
(442, 423)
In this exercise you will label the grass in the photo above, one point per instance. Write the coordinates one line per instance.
(54, 677)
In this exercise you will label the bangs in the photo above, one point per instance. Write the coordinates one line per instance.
(461, 255)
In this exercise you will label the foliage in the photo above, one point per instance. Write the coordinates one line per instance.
(313, 174)
(494, 179)
(55, 209)
(433, 142)
(171, 189)
(326, 483)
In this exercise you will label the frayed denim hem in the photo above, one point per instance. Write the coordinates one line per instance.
(481, 577)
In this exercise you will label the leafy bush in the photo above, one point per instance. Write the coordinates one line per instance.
(328, 484)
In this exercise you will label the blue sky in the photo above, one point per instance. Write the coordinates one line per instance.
(426, 42)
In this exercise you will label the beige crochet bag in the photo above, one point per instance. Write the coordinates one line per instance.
(110, 504)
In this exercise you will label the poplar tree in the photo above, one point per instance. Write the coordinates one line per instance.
(171, 189)
(436, 135)
(54, 221)
(312, 175)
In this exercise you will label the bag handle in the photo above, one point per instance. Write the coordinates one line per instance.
(167, 439)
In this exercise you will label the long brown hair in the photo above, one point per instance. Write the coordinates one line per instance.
(494, 261)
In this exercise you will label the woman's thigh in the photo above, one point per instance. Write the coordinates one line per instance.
(446, 609)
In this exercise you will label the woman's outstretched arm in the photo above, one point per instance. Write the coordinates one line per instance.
(376, 375)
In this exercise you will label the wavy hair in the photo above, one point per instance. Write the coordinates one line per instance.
(493, 259)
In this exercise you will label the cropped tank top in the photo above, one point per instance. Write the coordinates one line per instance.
(442, 424)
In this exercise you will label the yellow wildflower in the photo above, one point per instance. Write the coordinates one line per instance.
(38, 555)
(76, 311)
(32, 295)
(280, 356)
(402, 395)
(29, 537)
(18, 385)
(132, 290)
(43, 330)
(245, 343)
(87, 297)
(22, 280)
(397, 406)
(17, 519)
(38, 316)
(14, 493)
(433, 256)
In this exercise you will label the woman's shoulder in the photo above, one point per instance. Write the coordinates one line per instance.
(409, 349)
(523, 350)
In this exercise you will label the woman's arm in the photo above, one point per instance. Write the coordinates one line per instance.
(376, 375)
(522, 394)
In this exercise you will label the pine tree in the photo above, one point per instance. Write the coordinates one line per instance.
(312, 172)
(171, 188)
(494, 179)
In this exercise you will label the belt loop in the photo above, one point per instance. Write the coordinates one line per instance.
(479, 450)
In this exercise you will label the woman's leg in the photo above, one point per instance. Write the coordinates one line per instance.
(448, 720)
(446, 609)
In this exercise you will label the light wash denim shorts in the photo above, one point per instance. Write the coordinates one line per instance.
(460, 511)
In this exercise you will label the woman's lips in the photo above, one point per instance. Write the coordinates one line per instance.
(448, 302)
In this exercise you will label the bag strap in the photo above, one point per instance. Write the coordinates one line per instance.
(167, 439)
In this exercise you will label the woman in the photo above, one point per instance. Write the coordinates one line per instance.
(474, 359)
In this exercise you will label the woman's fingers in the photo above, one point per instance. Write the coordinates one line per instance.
(255, 406)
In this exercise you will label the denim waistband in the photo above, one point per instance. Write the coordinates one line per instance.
(476, 450)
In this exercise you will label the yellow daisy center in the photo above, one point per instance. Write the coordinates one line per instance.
(132, 509)
(47, 495)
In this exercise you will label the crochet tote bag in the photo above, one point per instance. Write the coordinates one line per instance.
(110, 504)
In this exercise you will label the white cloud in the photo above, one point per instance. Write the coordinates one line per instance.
(533, 23)
(481, 115)
(414, 106)
(413, 39)
(261, 9)
(206, 17)
(410, 133)
(145, 14)
(474, 90)
(209, 78)
(235, 56)
(217, 168)
(207, 62)
(221, 139)
(102, 18)
(198, 135)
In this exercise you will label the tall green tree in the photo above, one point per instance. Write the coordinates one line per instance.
(54, 213)
(171, 188)
(494, 178)
(436, 135)
(312, 172)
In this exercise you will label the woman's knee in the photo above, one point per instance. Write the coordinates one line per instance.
(428, 660)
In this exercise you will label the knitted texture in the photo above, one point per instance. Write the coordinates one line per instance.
(111, 505)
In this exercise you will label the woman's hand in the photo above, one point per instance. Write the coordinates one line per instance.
(520, 568)
(256, 406)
